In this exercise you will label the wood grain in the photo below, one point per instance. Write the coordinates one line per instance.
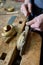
(32, 50)
(9, 48)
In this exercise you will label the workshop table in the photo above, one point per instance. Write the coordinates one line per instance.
(8, 50)
(32, 50)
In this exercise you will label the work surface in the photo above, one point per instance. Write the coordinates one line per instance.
(32, 50)
(10, 3)
(8, 51)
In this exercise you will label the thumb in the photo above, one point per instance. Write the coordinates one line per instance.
(30, 22)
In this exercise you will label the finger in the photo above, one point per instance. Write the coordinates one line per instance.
(38, 29)
(30, 22)
(28, 13)
(29, 7)
(35, 25)
(23, 10)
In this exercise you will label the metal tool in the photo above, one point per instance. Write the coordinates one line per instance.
(11, 20)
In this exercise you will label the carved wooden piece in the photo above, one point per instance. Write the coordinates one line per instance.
(8, 51)
(32, 50)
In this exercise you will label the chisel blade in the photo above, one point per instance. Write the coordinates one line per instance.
(11, 20)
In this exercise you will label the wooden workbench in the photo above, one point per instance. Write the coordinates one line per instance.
(14, 4)
(8, 51)
(31, 54)
(32, 50)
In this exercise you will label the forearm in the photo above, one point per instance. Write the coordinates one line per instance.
(26, 1)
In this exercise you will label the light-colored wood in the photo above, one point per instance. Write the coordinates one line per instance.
(10, 3)
(32, 50)
(10, 48)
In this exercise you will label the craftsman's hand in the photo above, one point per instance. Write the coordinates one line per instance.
(36, 23)
(26, 8)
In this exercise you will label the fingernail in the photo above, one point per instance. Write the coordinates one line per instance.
(32, 26)
(27, 23)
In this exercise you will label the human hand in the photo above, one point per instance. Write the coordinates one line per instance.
(36, 23)
(26, 8)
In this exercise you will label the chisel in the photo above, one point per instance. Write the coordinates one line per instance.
(11, 20)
